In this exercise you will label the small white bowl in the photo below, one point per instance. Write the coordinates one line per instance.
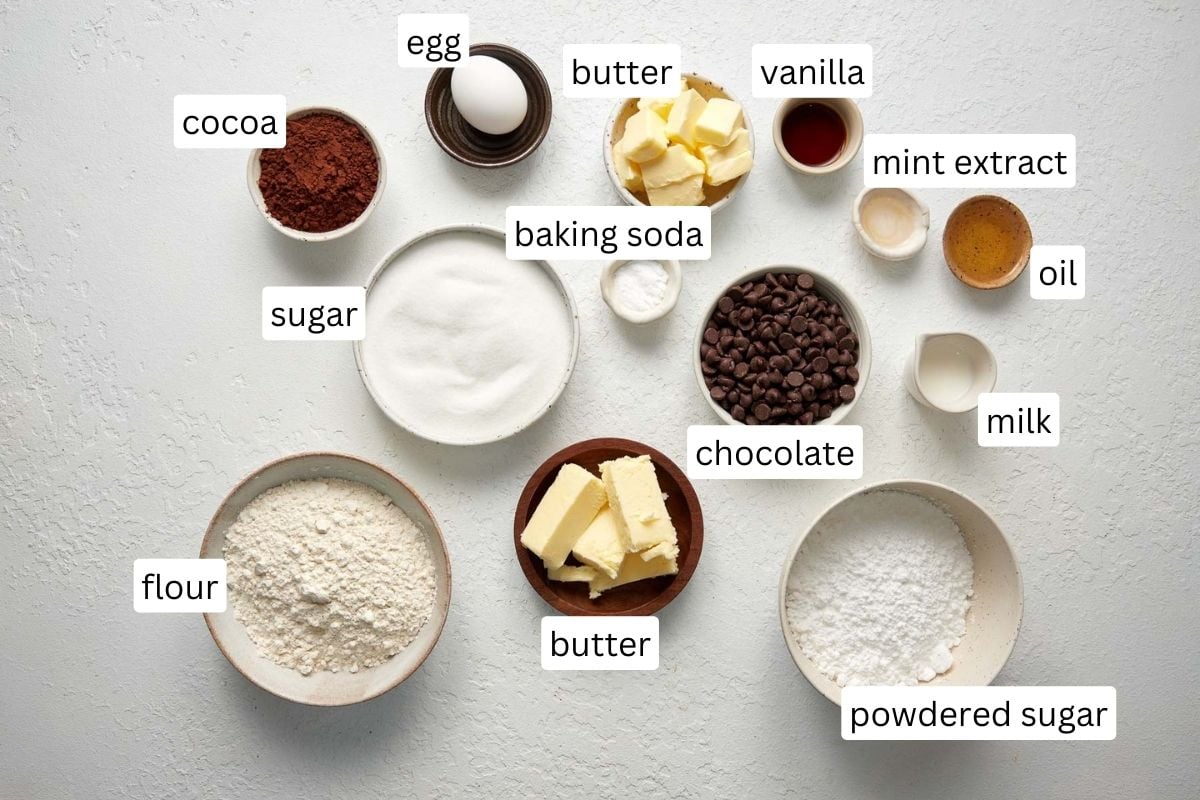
(994, 617)
(670, 296)
(846, 108)
(911, 245)
(715, 197)
(254, 170)
(326, 688)
(824, 285)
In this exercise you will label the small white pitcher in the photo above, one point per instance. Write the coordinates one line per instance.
(948, 371)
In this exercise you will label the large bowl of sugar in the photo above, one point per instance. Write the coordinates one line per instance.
(992, 618)
(324, 687)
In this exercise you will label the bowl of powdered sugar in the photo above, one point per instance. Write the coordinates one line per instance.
(338, 579)
(899, 584)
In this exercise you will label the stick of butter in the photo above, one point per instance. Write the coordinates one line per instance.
(723, 164)
(719, 122)
(600, 545)
(687, 192)
(563, 515)
(633, 568)
(645, 136)
(681, 122)
(637, 503)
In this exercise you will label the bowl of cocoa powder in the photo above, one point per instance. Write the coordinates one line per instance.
(324, 182)
(782, 345)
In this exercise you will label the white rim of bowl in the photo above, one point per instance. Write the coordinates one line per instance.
(253, 170)
(843, 158)
(793, 647)
(822, 280)
(437, 535)
(629, 197)
(907, 249)
(670, 298)
(563, 290)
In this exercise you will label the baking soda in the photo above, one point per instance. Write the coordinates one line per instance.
(880, 591)
(640, 286)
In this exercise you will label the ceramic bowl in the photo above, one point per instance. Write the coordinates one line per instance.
(633, 599)
(996, 606)
(1002, 215)
(472, 147)
(326, 688)
(715, 197)
(254, 170)
(846, 108)
(913, 243)
(415, 427)
(824, 285)
(670, 298)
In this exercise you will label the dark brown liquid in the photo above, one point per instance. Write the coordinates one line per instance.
(813, 134)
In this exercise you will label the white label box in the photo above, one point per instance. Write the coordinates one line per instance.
(979, 713)
(766, 452)
(600, 643)
(1019, 419)
(970, 161)
(432, 40)
(179, 585)
(1056, 272)
(584, 233)
(812, 70)
(621, 70)
(222, 121)
(308, 313)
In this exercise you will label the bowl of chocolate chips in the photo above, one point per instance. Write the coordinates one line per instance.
(783, 345)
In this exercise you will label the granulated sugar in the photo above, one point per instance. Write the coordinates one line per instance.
(880, 591)
(328, 575)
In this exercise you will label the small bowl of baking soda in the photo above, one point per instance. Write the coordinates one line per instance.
(641, 291)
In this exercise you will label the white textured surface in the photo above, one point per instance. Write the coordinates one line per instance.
(135, 390)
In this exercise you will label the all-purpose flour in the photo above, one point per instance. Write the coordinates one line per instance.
(880, 591)
(328, 575)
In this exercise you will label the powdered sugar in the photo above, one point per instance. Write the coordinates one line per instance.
(880, 590)
(328, 575)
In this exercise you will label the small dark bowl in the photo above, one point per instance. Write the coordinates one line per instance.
(474, 147)
(639, 598)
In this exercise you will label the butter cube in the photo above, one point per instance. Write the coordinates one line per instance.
(673, 166)
(645, 136)
(681, 122)
(637, 503)
(668, 550)
(627, 171)
(723, 164)
(633, 568)
(687, 192)
(601, 546)
(719, 122)
(573, 574)
(563, 515)
(661, 105)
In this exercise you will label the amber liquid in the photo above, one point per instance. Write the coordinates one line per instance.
(987, 241)
(813, 134)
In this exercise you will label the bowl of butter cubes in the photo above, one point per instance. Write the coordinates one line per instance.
(695, 149)
(608, 527)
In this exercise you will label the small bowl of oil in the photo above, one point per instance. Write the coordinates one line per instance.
(987, 242)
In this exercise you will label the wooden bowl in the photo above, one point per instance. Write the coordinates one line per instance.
(634, 599)
(478, 149)
(986, 242)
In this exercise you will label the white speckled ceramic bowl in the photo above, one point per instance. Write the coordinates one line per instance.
(715, 197)
(326, 688)
(829, 288)
(670, 297)
(254, 170)
(994, 617)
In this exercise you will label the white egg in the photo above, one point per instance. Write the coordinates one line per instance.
(489, 95)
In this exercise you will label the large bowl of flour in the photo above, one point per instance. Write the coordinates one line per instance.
(900, 583)
(338, 579)
(464, 346)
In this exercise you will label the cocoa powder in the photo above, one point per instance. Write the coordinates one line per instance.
(324, 178)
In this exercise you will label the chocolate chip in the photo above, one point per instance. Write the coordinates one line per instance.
(819, 364)
(795, 379)
(725, 304)
(846, 392)
(762, 411)
(717, 393)
(805, 281)
(711, 335)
